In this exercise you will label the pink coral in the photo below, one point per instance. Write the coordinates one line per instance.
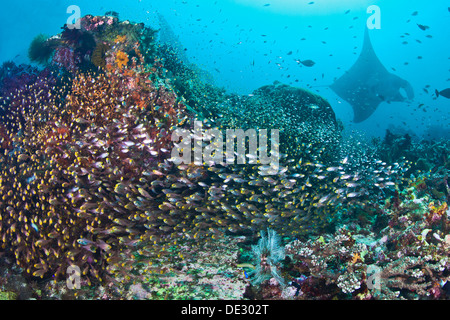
(66, 58)
(90, 23)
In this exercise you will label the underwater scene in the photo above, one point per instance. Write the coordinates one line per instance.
(224, 150)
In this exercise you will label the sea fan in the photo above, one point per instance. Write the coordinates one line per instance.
(268, 254)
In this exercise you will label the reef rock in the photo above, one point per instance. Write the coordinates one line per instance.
(306, 122)
(302, 105)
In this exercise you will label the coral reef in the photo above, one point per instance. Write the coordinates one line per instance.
(206, 271)
(87, 180)
(424, 155)
(49, 219)
(407, 259)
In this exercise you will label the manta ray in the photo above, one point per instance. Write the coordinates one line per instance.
(367, 83)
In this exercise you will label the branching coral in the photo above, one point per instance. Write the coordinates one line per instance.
(409, 264)
(337, 264)
(413, 275)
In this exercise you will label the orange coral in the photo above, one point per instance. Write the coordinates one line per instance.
(120, 39)
(440, 209)
(355, 258)
(121, 59)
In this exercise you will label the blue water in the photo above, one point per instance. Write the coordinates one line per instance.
(244, 44)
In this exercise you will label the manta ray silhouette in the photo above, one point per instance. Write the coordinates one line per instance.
(367, 83)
